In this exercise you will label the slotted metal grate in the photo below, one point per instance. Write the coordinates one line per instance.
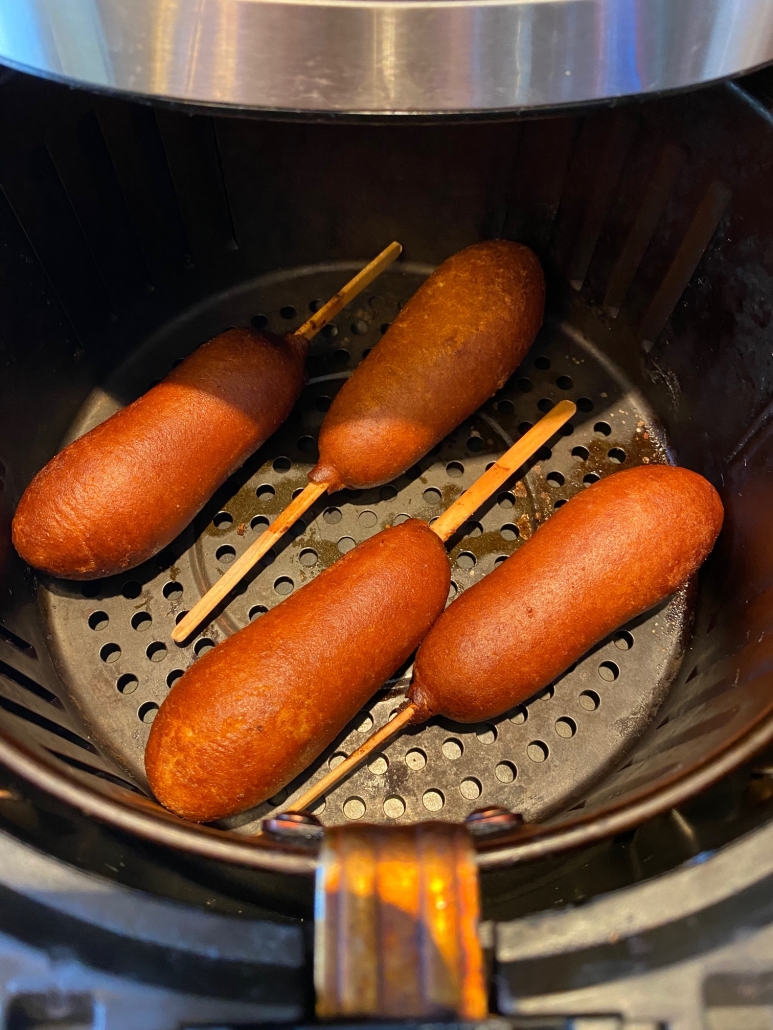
(111, 639)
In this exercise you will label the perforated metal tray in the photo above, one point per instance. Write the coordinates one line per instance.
(111, 639)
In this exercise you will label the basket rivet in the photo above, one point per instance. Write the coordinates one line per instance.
(492, 819)
(294, 828)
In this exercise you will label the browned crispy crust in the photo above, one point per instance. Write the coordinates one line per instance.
(253, 713)
(456, 341)
(608, 555)
(120, 493)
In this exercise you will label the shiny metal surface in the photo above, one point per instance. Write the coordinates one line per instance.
(377, 56)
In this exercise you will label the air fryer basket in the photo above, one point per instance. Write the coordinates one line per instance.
(131, 234)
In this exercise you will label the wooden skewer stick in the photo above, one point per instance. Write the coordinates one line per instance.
(356, 758)
(247, 561)
(483, 487)
(445, 527)
(356, 285)
(304, 501)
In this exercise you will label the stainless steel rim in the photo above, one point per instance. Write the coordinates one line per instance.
(381, 57)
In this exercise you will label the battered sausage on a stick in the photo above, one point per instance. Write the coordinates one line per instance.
(251, 714)
(120, 493)
(610, 554)
(116, 496)
(454, 344)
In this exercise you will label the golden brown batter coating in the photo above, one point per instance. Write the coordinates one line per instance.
(455, 343)
(117, 495)
(254, 712)
(610, 554)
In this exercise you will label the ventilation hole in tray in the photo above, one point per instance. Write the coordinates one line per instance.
(147, 712)
(466, 560)
(416, 759)
(486, 733)
(322, 403)
(307, 444)
(265, 492)
(585, 404)
(537, 751)
(179, 618)
(173, 590)
(505, 407)
(156, 651)
(359, 328)
(354, 808)
(385, 326)
(432, 496)
(433, 800)
(225, 554)
(542, 363)
(453, 590)
(505, 772)
(470, 788)
(131, 589)
(315, 305)
(259, 322)
(524, 385)
(174, 676)
(609, 671)
(524, 427)
(506, 500)
(259, 523)
(452, 749)
(566, 727)
(394, 807)
(379, 765)
(127, 683)
(616, 455)
(555, 479)
(332, 516)
(288, 312)
(545, 404)
(308, 557)
(590, 478)
(455, 469)
(580, 453)
(256, 611)
(624, 640)
(141, 621)
(564, 383)
(284, 586)
(92, 588)
(475, 444)
(518, 715)
(330, 332)
(98, 621)
(202, 646)
(509, 531)
(223, 520)
(589, 700)
(110, 653)
(398, 520)
(560, 502)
